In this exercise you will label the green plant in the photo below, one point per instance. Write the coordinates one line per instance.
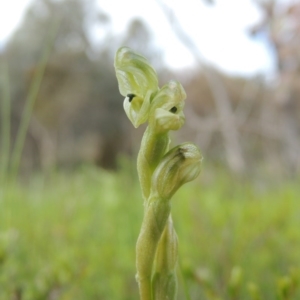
(31, 99)
(161, 171)
(5, 124)
(11, 153)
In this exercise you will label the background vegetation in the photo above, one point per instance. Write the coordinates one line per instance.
(241, 123)
(73, 237)
(70, 204)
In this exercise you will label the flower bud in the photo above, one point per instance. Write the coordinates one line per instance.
(180, 165)
(137, 83)
(167, 108)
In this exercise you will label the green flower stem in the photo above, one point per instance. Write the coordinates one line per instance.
(153, 147)
(161, 173)
(178, 166)
(157, 212)
(164, 282)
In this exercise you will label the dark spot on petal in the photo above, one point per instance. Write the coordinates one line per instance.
(173, 109)
(180, 154)
(130, 96)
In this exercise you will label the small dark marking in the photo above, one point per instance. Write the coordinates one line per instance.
(181, 153)
(130, 96)
(173, 109)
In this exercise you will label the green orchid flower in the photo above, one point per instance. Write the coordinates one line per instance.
(180, 165)
(161, 172)
(138, 83)
(166, 111)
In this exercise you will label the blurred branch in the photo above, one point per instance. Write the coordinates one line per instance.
(5, 116)
(265, 130)
(249, 93)
(281, 26)
(33, 92)
(226, 118)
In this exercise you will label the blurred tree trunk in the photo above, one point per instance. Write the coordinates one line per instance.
(291, 137)
(281, 22)
(46, 144)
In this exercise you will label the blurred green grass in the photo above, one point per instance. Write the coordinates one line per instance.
(72, 236)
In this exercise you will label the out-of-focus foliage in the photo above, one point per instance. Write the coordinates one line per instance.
(248, 124)
(281, 25)
(78, 114)
(73, 236)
